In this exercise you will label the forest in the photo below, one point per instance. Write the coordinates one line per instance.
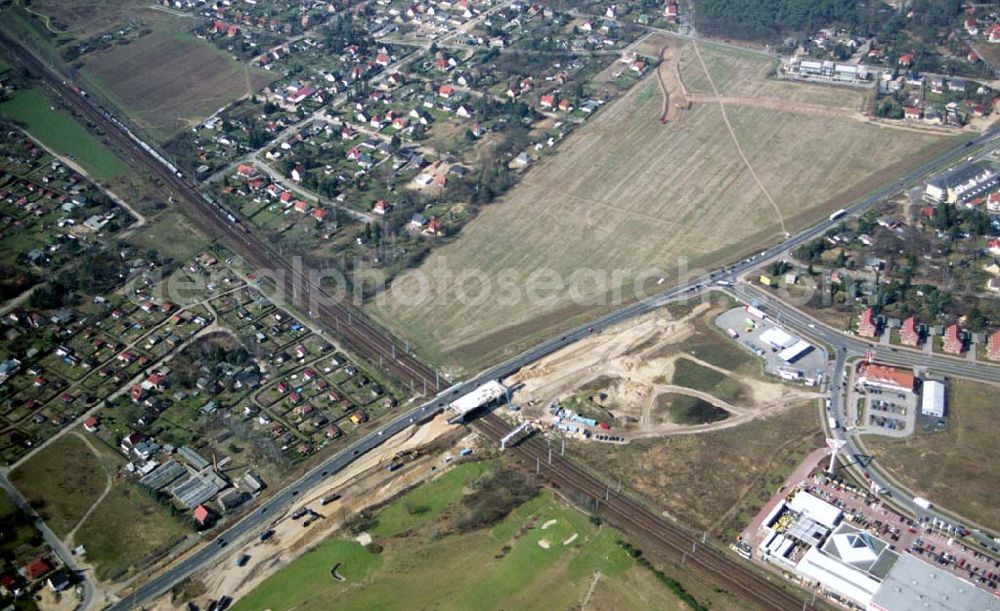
(769, 19)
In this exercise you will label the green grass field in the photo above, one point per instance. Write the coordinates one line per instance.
(127, 530)
(58, 131)
(426, 502)
(684, 409)
(171, 234)
(61, 482)
(626, 195)
(952, 467)
(689, 374)
(544, 555)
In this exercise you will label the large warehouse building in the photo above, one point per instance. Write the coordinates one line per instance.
(932, 399)
(809, 536)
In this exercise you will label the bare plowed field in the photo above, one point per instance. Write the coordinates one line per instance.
(627, 197)
(170, 80)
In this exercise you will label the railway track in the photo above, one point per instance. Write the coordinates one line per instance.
(377, 345)
(356, 329)
(730, 574)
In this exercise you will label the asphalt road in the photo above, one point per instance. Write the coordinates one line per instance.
(261, 518)
(847, 347)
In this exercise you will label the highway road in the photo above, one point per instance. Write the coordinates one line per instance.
(252, 524)
(851, 347)
(373, 341)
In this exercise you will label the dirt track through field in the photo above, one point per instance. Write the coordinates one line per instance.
(668, 77)
(736, 141)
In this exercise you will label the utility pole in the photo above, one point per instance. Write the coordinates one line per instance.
(550, 455)
(538, 466)
(562, 446)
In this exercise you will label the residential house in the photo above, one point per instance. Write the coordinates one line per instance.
(36, 569)
(671, 11)
(434, 227)
(91, 424)
(909, 335)
(954, 342)
(202, 515)
(993, 346)
(868, 324)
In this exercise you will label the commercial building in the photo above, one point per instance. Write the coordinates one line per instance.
(932, 399)
(886, 377)
(829, 69)
(777, 338)
(915, 584)
(808, 536)
(960, 184)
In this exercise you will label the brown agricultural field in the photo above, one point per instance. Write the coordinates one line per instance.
(82, 19)
(627, 198)
(169, 80)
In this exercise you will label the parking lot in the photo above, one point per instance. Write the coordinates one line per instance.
(879, 411)
(924, 539)
(746, 329)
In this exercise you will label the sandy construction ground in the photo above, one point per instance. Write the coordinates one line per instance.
(630, 366)
(365, 483)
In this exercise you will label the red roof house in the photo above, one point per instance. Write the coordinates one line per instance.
(36, 568)
(993, 346)
(953, 342)
(875, 374)
(201, 514)
(867, 325)
(908, 334)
